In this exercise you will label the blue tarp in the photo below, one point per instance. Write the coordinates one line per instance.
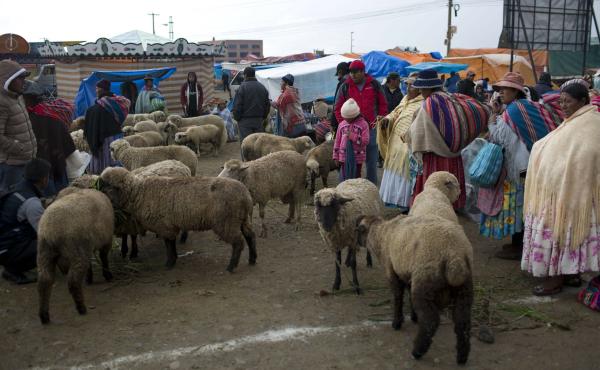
(379, 64)
(438, 67)
(436, 55)
(86, 96)
(218, 70)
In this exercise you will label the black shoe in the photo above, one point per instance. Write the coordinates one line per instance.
(17, 278)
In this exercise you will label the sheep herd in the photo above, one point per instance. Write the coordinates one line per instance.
(159, 190)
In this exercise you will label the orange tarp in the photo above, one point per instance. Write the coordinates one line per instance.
(352, 55)
(494, 66)
(540, 57)
(412, 58)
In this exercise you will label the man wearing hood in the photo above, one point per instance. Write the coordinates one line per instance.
(191, 96)
(17, 140)
(289, 108)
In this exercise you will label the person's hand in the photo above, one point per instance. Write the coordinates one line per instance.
(351, 136)
(384, 122)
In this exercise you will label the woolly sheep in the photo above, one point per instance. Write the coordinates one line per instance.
(128, 131)
(336, 212)
(260, 144)
(144, 126)
(152, 138)
(433, 257)
(168, 205)
(157, 116)
(319, 162)
(209, 119)
(77, 124)
(70, 245)
(278, 175)
(133, 158)
(200, 135)
(167, 131)
(80, 143)
(136, 140)
(440, 191)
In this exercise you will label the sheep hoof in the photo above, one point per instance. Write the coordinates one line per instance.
(81, 309)
(336, 286)
(414, 318)
(45, 318)
(461, 360)
(263, 233)
(288, 220)
(416, 355)
(108, 276)
(397, 324)
(230, 268)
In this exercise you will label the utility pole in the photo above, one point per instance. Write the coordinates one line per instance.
(170, 24)
(449, 32)
(153, 15)
(351, 40)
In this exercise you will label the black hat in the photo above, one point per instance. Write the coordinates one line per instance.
(393, 76)
(249, 72)
(342, 67)
(148, 77)
(288, 79)
(36, 169)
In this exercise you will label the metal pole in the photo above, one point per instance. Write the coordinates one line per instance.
(351, 41)
(153, 15)
(512, 33)
(449, 31)
(586, 29)
(595, 23)
(527, 40)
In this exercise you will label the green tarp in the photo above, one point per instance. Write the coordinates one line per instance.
(570, 63)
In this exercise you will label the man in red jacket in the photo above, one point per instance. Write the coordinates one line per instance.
(367, 92)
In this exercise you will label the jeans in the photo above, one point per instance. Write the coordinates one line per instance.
(372, 156)
(248, 126)
(10, 175)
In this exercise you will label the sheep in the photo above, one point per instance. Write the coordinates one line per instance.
(126, 225)
(77, 124)
(157, 116)
(168, 205)
(133, 158)
(80, 143)
(440, 191)
(137, 141)
(336, 212)
(319, 162)
(199, 135)
(434, 258)
(260, 144)
(210, 119)
(167, 131)
(143, 126)
(70, 245)
(152, 138)
(128, 131)
(278, 175)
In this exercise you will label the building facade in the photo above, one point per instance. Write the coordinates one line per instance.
(236, 50)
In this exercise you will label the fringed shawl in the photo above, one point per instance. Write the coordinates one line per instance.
(563, 178)
(530, 120)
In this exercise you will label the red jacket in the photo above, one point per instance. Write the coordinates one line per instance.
(183, 95)
(371, 100)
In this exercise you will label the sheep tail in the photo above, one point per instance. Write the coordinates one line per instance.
(458, 270)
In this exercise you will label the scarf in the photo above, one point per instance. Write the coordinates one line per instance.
(117, 106)
(530, 120)
(57, 109)
(392, 147)
(550, 102)
(563, 184)
(596, 102)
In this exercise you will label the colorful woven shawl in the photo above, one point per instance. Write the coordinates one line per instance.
(551, 104)
(459, 118)
(530, 120)
(117, 106)
(596, 102)
(57, 109)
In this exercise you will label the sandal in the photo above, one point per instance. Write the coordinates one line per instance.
(540, 291)
(572, 281)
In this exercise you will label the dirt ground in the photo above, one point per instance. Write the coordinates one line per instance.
(271, 316)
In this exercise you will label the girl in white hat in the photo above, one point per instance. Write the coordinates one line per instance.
(352, 137)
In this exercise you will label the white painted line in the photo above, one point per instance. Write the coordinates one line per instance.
(270, 336)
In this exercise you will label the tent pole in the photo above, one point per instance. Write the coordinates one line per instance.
(512, 34)
(527, 41)
(595, 23)
(589, 4)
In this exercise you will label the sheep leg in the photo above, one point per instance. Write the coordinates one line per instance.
(353, 267)
(47, 269)
(291, 211)
(184, 237)
(171, 253)
(236, 252)
(74, 279)
(134, 247)
(461, 315)
(312, 184)
(89, 278)
(413, 315)
(338, 279)
(369, 259)
(104, 259)
(251, 241)
(397, 287)
(324, 180)
(423, 297)
(124, 248)
(261, 213)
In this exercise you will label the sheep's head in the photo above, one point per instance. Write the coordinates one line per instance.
(77, 124)
(234, 169)
(363, 225)
(328, 203)
(304, 143)
(175, 119)
(128, 130)
(313, 168)
(85, 181)
(444, 182)
(117, 147)
(181, 138)
(112, 182)
(158, 116)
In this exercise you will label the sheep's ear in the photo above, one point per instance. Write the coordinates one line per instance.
(359, 220)
(449, 184)
(244, 166)
(342, 199)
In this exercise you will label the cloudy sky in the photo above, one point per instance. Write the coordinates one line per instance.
(286, 26)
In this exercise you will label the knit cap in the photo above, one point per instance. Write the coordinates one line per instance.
(350, 109)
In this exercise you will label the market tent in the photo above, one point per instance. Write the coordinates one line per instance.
(494, 66)
(412, 58)
(315, 78)
(439, 67)
(566, 64)
(540, 57)
(87, 90)
(379, 64)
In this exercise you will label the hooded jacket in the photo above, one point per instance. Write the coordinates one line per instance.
(17, 140)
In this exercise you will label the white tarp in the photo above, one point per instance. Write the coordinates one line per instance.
(314, 78)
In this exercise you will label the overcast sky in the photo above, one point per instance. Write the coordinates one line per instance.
(286, 26)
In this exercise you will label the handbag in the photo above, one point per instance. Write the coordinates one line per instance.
(487, 165)
(590, 295)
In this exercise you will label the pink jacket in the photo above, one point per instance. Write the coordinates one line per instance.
(360, 128)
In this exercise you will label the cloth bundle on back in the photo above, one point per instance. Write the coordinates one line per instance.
(530, 120)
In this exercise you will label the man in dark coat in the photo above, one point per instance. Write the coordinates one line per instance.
(342, 73)
(391, 90)
(544, 84)
(191, 96)
(251, 105)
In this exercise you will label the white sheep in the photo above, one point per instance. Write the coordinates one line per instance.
(80, 143)
(133, 158)
(433, 257)
(197, 135)
(144, 126)
(210, 119)
(260, 144)
(128, 131)
(77, 124)
(76, 224)
(152, 138)
(336, 212)
(132, 119)
(168, 205)
(167, 131)
(440, 191)
(136, 141)
(319, 162)
(278, 175)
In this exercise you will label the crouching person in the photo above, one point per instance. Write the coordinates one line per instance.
(20, 213)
